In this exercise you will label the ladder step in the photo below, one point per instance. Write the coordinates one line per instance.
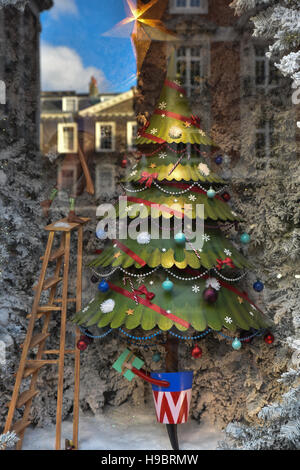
(48, 308)
(56, 254)
(38, 315)
(24, 398)
(38, 339)
(33, 366)
(52, 281)
(19, 426)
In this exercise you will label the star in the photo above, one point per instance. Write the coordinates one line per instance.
(146, 27)
(117, 255)
(130, 311)
(163, 115)
(152, 165)
(187, 124)
(240, 300)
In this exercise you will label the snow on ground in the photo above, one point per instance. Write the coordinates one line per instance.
(122, 429)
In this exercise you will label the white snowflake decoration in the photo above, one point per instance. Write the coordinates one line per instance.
(195, 289)
(175, 132)
(228, 319)
(162, 105)
(153, 131)
(162, 155)
(251, 313)
(177, 82)
(203, 168)
(143, 238)
(227, 252)
(206, 237)
(192, 197)
(133, 173)
(107, 306)
(201, 132)
(163, 115)
(214, 283)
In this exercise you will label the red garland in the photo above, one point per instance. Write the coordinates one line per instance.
(149, 304)
(176, 87)
(129, 252)
(194, 120)
(161, 207)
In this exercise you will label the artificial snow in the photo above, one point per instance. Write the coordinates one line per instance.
(124, 428)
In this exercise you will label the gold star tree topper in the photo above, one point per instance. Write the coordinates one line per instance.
(146, 26)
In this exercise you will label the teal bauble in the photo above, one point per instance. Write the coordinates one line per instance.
(180, 238)
(245, 238)
(236, 344)
(211, 193)
(167, 285)
(156, 357)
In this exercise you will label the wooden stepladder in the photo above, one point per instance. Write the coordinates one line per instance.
(35, 341)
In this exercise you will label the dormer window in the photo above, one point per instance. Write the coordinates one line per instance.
(69, 104)
(189, 6)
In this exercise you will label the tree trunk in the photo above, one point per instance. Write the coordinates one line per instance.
(171, 347)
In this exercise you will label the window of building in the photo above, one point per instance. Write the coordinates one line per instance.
(105, 179)
(266, 74)
(189, 64)
(67, 138)
(70, 105)
(189, 6)
(264, 138)
(131, 134)
(105, 136)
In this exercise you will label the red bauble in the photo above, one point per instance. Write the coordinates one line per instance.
(82, 344)
(269, 338)
(210, 295)
(226, 197)
(196, 352)
(124, 163)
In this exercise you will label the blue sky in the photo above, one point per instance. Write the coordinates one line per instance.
(73, 48)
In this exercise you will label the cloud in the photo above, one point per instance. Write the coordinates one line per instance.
(62, 69)
(63, 7)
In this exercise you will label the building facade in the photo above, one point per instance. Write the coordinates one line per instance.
(102, 125)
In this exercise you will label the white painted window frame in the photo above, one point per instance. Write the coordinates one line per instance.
(130, 138)
(102, 167)
(188, 58)
(98, 125)
(202, 9)
(266, 86)
(60, 140)
(64, 104)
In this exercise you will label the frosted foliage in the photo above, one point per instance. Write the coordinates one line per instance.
(20, 4)
(8, 440)
(279, 23)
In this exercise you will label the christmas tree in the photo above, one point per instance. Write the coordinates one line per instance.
(163, 284)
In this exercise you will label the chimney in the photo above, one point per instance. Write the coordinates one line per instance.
(93, 88)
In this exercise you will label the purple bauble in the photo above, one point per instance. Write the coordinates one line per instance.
(210, 295)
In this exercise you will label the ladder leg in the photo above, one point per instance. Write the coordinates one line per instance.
(64, 307)
(77, 352)
(30, 329)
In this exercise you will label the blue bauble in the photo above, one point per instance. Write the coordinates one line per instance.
(236, 344)
(245, 238)
(156, 357)
(103, 286)
(258, 286)
(101, 234)
(219, 160)
(211, 193)
(180, 238)
(167, 285)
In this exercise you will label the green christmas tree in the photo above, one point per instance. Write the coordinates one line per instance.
(171, 287)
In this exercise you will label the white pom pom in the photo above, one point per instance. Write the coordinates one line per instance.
(175, 132)
(214, 283)
(143, 238)
(203, 168)
(107, 306)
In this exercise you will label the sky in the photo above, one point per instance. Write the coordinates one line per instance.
(73, 47)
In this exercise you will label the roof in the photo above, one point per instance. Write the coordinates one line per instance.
(99, 107)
